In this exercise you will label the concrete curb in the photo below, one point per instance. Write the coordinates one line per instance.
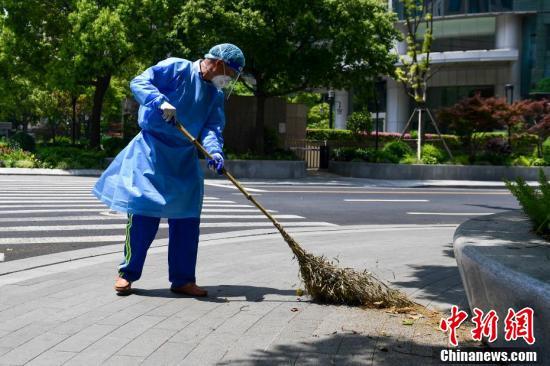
(504, 265)
(40, 171)
(251, 169)
(434, 172)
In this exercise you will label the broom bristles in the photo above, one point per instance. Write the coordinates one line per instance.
(327, 283)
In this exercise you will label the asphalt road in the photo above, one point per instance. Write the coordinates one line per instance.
(47, 214)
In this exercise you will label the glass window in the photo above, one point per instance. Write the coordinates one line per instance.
(478, 6)
(446, 96)
(454, 7)
(501, 5)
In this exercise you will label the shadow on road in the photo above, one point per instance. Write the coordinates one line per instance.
(437, 283)
(344, 349)
(224, 293)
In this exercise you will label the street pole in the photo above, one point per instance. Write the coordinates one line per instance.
(419, 147)
(330, 105)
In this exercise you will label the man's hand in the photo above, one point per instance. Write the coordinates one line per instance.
(216, 163)
(168, 112)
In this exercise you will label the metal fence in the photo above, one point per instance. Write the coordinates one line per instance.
(307, 150)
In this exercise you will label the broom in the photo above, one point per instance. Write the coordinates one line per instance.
(323, 280)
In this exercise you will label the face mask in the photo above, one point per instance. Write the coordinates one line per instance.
(221, 81)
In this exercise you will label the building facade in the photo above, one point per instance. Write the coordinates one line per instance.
(479, 46)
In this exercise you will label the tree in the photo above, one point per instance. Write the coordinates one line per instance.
(291, 45)
(509, 116)
(468, 119)
(415, 69)
(81, 43)
(537, 117)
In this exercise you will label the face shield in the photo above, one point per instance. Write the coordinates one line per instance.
(230, 86)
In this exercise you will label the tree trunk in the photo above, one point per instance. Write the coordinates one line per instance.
(259, 147)
(101, 87)
(73, 127)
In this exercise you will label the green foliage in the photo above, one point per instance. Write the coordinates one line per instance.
(363, 155)
(415, 66)
(460, 160)
(317, 116)
(409, 159)
(12, 156)
(521, 161)
(543, 86)
(538, 162)
(277, 154)
(535, 202)
(69, 157)
(431, 154)
(359, 122)
(309, 99)
(24, 140)
(398, 148)
(329, 134)
(546, 151)
(112, 145)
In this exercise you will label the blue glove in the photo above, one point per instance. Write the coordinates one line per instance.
(216, 163)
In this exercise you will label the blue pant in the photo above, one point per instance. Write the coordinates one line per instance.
(182, 247)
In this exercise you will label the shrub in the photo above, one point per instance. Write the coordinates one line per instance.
(365, 155)
(343, 154)
(27, 163)
(71, 157)
(278, 154)
(359, 122)
(460, 160)
(398, 148)
(409, 159)
(11, 156)
(24, 140)
(535, 202)
(521, 161)
(431, 154)
(538, 162)
(112, 145)
(546, 151)
(322, 134)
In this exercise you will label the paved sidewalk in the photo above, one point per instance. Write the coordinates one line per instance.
(67, 313)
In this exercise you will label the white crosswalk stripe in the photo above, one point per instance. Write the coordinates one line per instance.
(34, 212)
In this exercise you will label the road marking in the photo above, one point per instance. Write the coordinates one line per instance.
(395, 192)
(375, 200)
(231, 187)
(53, 205)
(120, 226)
(45, 210)
(86, 200)
(121, 238)
(105, 216)
(2, 257)
(451, 213)
(60, 200)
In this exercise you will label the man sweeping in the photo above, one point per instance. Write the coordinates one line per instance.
(158, 174)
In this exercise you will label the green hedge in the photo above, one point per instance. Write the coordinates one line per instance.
(71, 157)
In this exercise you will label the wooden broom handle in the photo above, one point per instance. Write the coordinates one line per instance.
(232, 179)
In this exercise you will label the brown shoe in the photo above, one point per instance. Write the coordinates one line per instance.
(190, 289)
(122, 286)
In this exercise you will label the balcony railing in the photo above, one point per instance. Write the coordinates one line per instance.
(444, 8)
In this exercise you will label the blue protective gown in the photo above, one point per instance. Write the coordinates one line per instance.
(158, 173)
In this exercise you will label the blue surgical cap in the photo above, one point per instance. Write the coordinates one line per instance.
(228, 53)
